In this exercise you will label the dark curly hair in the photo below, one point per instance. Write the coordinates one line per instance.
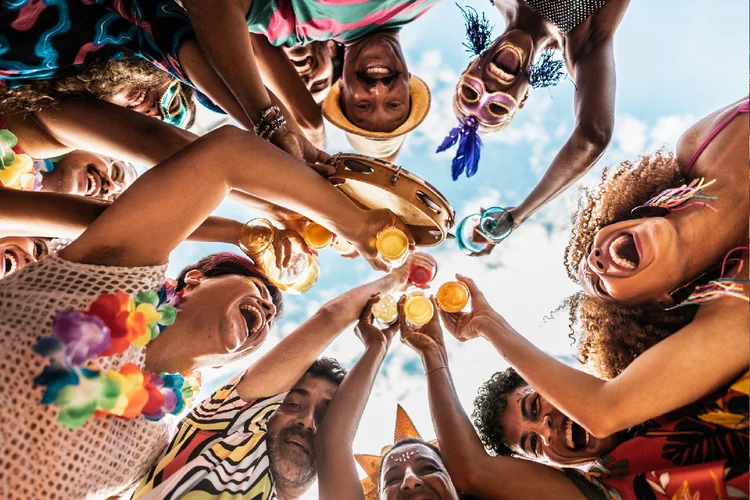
(327, 368)
(99, 80)
(223, 263)
(491, 401)
(610, 336)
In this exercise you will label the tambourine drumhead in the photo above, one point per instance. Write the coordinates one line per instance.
(374, 183)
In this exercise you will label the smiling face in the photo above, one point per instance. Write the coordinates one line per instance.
(88, 174)
(375, 84)
(494, 86)
(414, 471)
(144, 100)
(292, 429)
(633, 262)
(17, 253)
(233, 314)
(535, 429)
(314, 64)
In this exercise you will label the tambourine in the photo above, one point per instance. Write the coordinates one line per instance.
(372, 183)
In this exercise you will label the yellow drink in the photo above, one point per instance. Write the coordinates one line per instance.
(385, 310)
(316, 236)
(393, 246)
(452, 296)
(418, 309)
(256, 236)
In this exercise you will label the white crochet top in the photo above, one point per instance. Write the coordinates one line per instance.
(38, 457)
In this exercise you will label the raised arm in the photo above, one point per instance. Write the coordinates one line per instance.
(705, 355)
(169, 202)
(221, 30)
(279, 369)
(281, 77)
(55, 215)
(594, 103)
(472, 470)
(337, 470)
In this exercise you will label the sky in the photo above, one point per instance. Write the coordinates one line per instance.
(676, 62)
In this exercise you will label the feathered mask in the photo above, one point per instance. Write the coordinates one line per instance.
(491, 109)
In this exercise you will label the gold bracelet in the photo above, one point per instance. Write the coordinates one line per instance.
(433, 369)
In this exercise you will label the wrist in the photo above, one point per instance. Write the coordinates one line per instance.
(377, 346)
(433, 357)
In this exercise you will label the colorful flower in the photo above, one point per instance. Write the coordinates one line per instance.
(85, 336)
(133, 395)
(162, 399)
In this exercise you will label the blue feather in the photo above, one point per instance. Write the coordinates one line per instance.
(469, 148)
(450, 139)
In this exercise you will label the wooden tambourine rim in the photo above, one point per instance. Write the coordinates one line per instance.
(423, 235)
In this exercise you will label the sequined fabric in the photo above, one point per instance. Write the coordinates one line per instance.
(566, 14)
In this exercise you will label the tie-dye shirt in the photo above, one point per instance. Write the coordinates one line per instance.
(298, 22)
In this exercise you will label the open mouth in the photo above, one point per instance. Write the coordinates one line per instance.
(94, 182)
(576, 438)
(304, 66)
(10, 262)
(299, 444)
(624, 252)
(254, 318)
(137, 99)
(506, 63)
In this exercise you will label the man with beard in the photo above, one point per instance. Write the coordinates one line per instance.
(376, 101)
(254, 437)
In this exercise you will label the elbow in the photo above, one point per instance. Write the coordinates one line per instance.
(595, 137)
(601, 426)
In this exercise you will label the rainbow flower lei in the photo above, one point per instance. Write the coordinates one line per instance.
(16, 169)
(111, 325)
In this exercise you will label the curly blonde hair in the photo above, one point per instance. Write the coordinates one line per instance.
(100, 80)
(610, 336)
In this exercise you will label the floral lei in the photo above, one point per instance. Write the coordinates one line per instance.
(16, 168)
(111, 325)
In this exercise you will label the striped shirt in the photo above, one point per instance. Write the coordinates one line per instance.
(299, 22)
(220, 451)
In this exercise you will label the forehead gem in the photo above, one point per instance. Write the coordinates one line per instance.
(405, 456)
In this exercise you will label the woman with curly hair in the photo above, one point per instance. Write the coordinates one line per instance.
(654, 240)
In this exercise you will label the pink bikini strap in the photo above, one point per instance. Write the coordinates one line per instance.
(744, 107)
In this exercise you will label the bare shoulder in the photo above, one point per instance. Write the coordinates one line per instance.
(599, 28)
(693, 137)
(33, 137)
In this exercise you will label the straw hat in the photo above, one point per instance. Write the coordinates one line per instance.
(378, 144)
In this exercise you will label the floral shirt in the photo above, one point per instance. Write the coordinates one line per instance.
(220, 451)
(697, 452)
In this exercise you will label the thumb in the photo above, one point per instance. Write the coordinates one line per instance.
(476, 293)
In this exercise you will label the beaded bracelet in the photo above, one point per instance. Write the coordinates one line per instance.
(266, 128)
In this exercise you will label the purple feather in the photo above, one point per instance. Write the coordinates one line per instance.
(469, 148)
(450, 140)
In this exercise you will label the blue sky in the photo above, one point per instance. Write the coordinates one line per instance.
(676, 62)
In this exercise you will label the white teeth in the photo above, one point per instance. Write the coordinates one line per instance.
(138, 101)
(13, 262)
(615, 246)
(379, 70)
(91, 187)
(495, 70)
(569, 434)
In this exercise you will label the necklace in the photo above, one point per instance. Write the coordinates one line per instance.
(113, 324)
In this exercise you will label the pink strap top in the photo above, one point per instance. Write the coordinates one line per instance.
(744, 107)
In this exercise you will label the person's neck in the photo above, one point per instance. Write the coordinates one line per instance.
(169, 352)
(705, 236)
(519, 15)
(289, 491)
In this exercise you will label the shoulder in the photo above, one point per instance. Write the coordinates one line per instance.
(595, 31)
